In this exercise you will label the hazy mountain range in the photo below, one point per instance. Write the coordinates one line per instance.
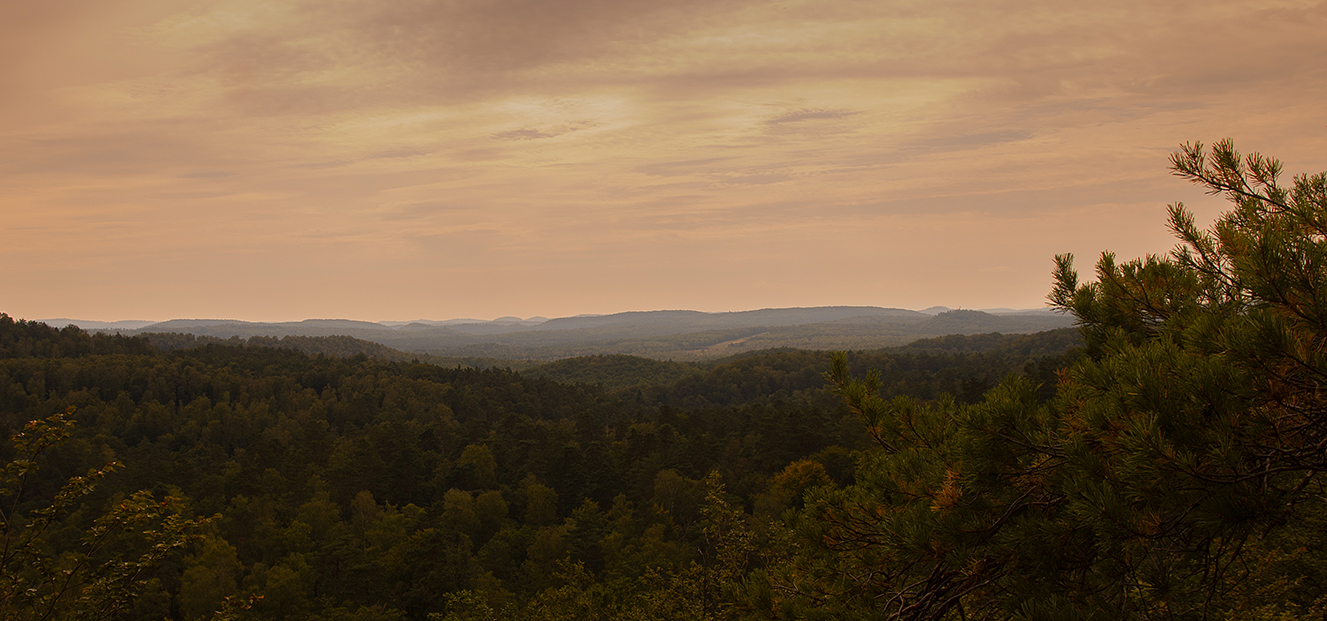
(660, 334)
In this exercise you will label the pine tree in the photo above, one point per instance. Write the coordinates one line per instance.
(1174, 475)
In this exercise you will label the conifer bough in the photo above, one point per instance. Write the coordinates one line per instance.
(1175, 475)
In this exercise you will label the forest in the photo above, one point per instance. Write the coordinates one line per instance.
(1159, 460)
(360, 485)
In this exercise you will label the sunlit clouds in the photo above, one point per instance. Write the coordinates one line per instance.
(417, 159)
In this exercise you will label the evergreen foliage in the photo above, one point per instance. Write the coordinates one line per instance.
(1173, 475)
(613, 372)
(355, 487)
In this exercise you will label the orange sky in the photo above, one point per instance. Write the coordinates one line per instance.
(370, 159)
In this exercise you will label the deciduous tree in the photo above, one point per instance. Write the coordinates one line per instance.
(101, 578)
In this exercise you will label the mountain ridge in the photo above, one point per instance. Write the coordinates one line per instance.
(662, 334)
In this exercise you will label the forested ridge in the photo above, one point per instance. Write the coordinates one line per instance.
(673, 335)
(349, 483)
(1162, 461)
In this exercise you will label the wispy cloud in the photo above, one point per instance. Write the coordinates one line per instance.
(523, 134)
(798, 116)
(697, 145)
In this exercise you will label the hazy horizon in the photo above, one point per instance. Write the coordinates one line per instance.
(275, 160)
(480, 319)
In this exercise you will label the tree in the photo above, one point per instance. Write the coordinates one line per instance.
(94, 581)
(1173, 475)
(1224, 439)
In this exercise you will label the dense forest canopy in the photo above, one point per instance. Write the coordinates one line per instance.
(1160, 461)
(515, 479)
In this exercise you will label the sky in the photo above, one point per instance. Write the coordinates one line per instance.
(274, 160)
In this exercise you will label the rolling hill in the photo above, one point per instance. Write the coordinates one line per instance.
(668, 334)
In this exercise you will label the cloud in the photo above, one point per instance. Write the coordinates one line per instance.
(436, 132)
(797, 116)
(523, 134)
(958, 142)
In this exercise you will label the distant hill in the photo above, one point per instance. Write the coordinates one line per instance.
(979, 322)
(335, 346)
(106, 326)
(696, 320)
(965, 366)
(613, 372)
(1048, 343)
(232, 327)
(962, 365)
(672, 334)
